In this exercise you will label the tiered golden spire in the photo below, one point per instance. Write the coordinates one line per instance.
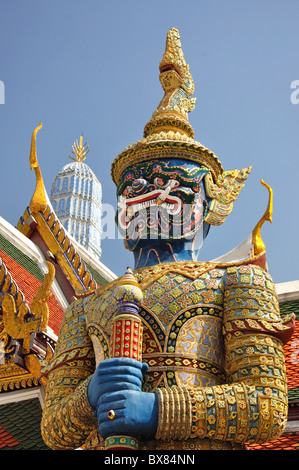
(171, 114)
(168, 132)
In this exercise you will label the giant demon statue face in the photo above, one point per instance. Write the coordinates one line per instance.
(161, 200)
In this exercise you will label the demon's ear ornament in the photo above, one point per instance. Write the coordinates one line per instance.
(223, 193)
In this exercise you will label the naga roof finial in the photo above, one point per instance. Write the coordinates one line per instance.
(39, 200)
(80, 150)
(257, 241)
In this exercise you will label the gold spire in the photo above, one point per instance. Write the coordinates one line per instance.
(173, 59)
(80, 150)
(178, 85)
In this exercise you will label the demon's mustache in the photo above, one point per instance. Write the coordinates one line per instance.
(159, 197)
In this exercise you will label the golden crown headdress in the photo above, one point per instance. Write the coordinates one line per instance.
(168, 134)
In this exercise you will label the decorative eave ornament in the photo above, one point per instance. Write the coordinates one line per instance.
(20, 320)
(43, 219)
(168, 134)
(20, 323)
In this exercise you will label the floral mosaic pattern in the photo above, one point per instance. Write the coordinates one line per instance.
(216, 330)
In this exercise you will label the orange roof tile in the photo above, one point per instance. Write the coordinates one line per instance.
(6, 439)
(291, 351)
(287, 442)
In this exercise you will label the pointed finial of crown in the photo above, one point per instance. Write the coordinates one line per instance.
(172, 113)
(80, 150)
(173, 60)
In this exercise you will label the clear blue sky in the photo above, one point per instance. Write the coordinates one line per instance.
(92, 66)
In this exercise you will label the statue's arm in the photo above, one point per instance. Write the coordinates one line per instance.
(67, 416)
(252, 405)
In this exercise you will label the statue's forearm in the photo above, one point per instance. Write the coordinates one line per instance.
(67, 423)
(253, 408)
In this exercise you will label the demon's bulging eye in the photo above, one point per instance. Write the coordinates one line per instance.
(162, 183)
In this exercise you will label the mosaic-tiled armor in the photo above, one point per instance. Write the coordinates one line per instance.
(212, 333)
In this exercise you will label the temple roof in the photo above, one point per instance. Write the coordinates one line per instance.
(287, 442)
(291, 350)
(20, 426)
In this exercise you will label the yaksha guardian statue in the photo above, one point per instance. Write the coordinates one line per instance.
(183, 354)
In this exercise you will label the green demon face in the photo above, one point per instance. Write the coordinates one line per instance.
(161, 199)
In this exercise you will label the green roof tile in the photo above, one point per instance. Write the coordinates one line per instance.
(293, 394)
(100, 280)
(22, 421)
(21, 258)
(290, 306)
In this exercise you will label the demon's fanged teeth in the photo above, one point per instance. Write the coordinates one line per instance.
(129, 207)
(131, 210)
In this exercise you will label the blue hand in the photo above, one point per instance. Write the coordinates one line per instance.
(115, 375)
(136, 413)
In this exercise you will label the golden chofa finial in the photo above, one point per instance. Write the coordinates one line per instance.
(80, 150)
(257, 241)
(39, 200)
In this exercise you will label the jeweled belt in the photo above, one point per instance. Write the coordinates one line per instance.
(172, 361)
